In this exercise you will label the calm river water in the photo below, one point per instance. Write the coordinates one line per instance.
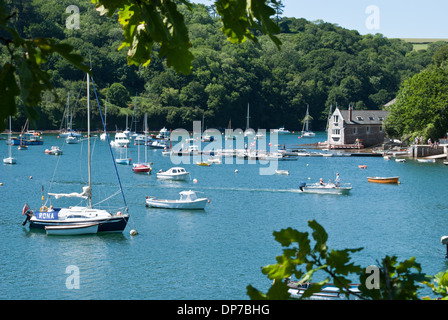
(216, 253)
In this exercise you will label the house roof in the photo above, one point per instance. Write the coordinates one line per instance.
(367, 117)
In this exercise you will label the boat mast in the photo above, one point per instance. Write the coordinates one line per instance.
(88, 140)
(247, 119)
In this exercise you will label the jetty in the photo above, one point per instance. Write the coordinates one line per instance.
(429, 151)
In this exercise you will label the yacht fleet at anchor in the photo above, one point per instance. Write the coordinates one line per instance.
(188, 198)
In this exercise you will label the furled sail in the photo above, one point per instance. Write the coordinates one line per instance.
(84, 194)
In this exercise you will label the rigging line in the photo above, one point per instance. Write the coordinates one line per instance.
(110, 197)
(108, 141)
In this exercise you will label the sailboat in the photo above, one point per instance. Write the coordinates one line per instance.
(248, 132)
(74, 219)
(142, 167)
(123, 159)
(229, 135)
(10, 159)
(306, 133)
(104, 135)
(69, 132)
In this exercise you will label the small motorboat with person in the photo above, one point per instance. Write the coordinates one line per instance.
(188, 200)
(326, 188)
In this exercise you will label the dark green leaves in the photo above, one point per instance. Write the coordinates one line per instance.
(22, 76)
(239, 17)
(395, 280)
(146, 23)
(299, 253)
(8, 91)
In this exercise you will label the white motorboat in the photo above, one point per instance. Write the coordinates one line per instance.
(214, 159)
(282, 172)
(326, 188)
(427, 160)
(175, 173)
(121, 140)
(281, 130)
(158, 144)
(163, 134)
(71, 139)
(54, 150)
(327, 292)
(188, 200)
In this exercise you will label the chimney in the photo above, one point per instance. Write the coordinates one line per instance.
(350, 113)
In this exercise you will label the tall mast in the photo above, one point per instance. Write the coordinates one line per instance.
(247, 119)
(88, 140)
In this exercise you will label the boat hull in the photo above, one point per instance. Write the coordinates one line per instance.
(18, 142)
(391, 180)
(323, 190)
(112, 224)
(180, 177)
(123, 161)
(10, 160)
(141, 168)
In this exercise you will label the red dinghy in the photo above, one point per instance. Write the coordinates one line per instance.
(141, 168)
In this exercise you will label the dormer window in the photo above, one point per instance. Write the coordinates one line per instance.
(359, 118)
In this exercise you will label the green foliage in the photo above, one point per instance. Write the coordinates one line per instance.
(21, 76)
(320, 64)
(421, 106)
(303, 260)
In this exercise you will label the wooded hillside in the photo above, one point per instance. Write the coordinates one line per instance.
(320, 64)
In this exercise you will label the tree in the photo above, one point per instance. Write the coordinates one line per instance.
(118, 95)
(421, 106)
(144, 24)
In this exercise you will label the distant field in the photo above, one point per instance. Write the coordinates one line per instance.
(422, 43)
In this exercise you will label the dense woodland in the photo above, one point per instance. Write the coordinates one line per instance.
(319, 64)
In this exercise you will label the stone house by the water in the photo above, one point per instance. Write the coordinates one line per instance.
(351, 128)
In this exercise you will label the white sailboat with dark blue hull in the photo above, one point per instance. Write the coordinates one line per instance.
(75, 219)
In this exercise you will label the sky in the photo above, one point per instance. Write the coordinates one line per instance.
(392, 18)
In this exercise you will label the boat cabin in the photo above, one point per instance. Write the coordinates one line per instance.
(188, 195)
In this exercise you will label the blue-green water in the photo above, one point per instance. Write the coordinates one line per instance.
(216, 253)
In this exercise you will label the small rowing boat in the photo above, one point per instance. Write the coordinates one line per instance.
(75, 229)
(383, 179)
